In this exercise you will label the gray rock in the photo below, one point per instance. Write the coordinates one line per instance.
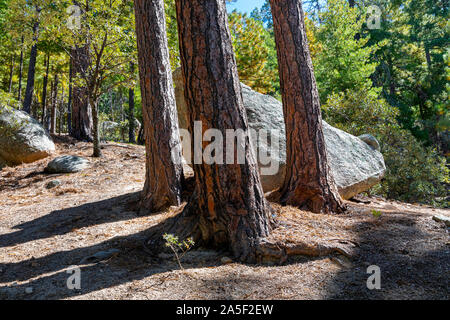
(29, 290)
(52, 184)
(371, 141)
(22, 138)
(67, 164)
(355, 165)
(441, 218)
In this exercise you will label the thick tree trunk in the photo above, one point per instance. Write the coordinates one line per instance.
(44, 88)
(164, 170)
(31, 71)
(228, 208)
(82, 122)
(308, 183)
(54, 105)
(19, 94)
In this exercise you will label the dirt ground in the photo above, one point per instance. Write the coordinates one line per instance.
(44, 232)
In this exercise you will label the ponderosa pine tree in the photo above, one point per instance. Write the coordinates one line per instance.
(227, 208)
(164, 170)
(308, 183)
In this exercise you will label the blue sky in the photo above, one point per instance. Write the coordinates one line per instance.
(246, 5)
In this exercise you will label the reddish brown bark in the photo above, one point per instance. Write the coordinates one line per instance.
(308, 183)
(164, 171)
(228, 208)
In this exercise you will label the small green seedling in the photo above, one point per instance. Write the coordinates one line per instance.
(376, 213)
(179, 248)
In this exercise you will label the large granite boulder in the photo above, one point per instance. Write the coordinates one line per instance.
(22, 138)
(355, 164)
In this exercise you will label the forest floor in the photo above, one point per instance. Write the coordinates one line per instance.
(43, 232)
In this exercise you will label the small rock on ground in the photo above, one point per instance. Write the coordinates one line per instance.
(52, 184)
(67, 164)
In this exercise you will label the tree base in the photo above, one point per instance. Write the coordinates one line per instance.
(264, 250)
(313, 203)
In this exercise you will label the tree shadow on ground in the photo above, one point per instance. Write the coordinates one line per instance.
(48, 274)
(63, 221)
(413, 262)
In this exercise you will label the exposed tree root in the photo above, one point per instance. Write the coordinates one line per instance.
(277, 251)
(187, 224)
